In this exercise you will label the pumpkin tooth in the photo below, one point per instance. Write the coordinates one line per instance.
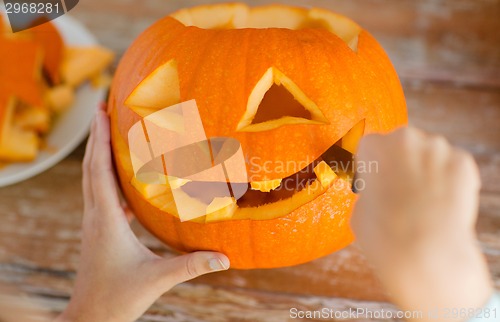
(221, 209)
(265, 186)
(325, 174)
(188, 208)
(149, 191)
(176, 183)
(351, 140)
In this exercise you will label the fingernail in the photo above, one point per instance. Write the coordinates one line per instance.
(216, 264)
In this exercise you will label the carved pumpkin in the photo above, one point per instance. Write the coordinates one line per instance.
(288, 83)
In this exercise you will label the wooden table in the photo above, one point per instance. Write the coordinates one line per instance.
(447, 53)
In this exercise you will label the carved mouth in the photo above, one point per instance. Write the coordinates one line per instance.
(336, 158)
(332, 167)
(336, 162)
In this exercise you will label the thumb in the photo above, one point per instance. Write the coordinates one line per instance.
(186, 267)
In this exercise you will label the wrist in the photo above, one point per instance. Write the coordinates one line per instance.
(440, 277)
(63, 317)
(75, 314)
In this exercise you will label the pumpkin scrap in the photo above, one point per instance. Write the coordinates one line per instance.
(81, 64)
(49, 39)
(20, 70)
(20, 78)
(32, 92)
(16, 144)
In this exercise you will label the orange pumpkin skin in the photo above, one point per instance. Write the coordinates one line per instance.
(219, 68)
(49, 38)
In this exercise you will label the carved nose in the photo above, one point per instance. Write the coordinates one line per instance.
(277, 101)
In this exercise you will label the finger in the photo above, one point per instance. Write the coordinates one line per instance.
(436, 152)
(129, 214)
(103, 107)
(367, 144)
(103, 179)
(88, 197)
(88, 147)
(356, 220)
(463, 163)
(184, 268)
(367, 160)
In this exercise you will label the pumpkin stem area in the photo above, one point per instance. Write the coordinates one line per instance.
(240, 16)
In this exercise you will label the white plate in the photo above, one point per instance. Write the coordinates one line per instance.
(73, 125)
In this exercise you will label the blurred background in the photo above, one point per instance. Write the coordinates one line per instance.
(447, 53)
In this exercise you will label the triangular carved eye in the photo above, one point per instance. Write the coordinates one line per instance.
(277, 101)
(159, 90)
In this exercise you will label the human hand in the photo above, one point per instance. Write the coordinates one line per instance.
(415, 222)
(118, 277)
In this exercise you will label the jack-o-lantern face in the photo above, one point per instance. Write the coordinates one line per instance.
(288, 84)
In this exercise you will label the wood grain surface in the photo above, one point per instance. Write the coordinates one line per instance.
(447, 53)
